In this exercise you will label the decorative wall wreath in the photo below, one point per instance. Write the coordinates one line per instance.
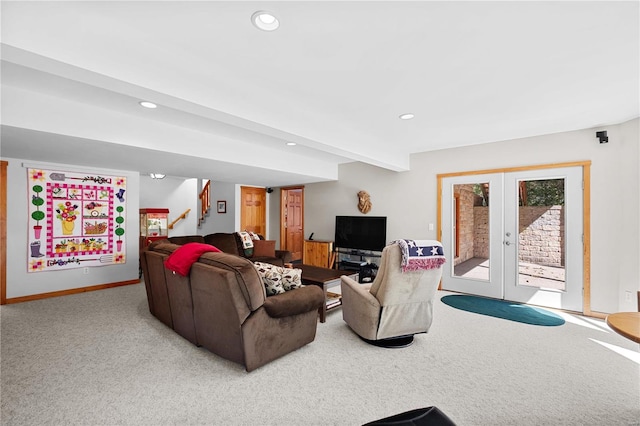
(364, 202)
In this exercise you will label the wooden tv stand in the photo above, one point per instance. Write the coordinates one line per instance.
(318, 253)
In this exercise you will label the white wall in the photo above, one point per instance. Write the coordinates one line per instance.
(179, 194)
(175, 194)
(273, 216)
(19, 282)
(409, 199)
(221, 222)
(628, 206)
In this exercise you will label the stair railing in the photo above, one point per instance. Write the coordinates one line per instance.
(182, 216)
(205, 201)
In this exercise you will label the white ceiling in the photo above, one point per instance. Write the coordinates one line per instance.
(333, 78)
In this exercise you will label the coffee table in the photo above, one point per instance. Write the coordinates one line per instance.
(325, 278)
(626, 324)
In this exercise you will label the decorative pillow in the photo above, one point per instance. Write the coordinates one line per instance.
(277, 279)
(292, 279)
(271, 278)
(264, 248)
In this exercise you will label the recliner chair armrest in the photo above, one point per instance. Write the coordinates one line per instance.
(360, 309)
(294, 302)
(359, 290)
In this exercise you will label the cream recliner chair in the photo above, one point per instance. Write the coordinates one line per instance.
(396, 305)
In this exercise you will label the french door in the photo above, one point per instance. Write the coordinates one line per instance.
(515, 235)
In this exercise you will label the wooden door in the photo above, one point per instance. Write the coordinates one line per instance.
(292, 218)
(253, 210)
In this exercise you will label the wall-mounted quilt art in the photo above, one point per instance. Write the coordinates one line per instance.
(75, 220)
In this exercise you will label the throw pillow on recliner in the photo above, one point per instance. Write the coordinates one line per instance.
(277, 279)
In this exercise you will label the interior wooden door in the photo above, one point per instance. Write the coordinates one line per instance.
(292, 227)
(253, 210)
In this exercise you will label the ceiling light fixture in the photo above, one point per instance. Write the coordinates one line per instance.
(148, 104)
(291, 144)
(265, 21)
(407, 116)
(156, 175)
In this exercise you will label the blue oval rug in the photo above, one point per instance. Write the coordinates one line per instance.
(502, 309)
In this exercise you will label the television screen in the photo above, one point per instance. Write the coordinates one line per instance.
(361, 232)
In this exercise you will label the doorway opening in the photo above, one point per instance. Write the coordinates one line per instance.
(541, 232)
(519, 234)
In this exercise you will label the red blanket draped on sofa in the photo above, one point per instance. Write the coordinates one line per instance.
(182, 258)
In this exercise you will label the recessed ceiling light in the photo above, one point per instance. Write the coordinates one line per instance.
(291, 144)
(265, 21)
(148, 104)
(156, 175)
(407, 116)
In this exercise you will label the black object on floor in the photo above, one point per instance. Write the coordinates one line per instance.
(391, 342)
(429, 416)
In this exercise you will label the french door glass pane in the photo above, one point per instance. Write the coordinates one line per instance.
(471, 231)
(541, 237)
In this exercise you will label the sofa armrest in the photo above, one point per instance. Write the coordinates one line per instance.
(294, 302)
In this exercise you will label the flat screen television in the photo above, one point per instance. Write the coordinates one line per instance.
(361, 232)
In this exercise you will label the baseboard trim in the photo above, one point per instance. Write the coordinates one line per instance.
(69, 292)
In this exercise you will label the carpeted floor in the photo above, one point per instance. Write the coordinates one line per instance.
(100, 358)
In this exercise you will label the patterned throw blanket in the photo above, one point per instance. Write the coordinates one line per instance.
(247, 240)
(421, 254)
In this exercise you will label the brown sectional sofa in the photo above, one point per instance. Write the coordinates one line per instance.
(222, 306)
(230, 242)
